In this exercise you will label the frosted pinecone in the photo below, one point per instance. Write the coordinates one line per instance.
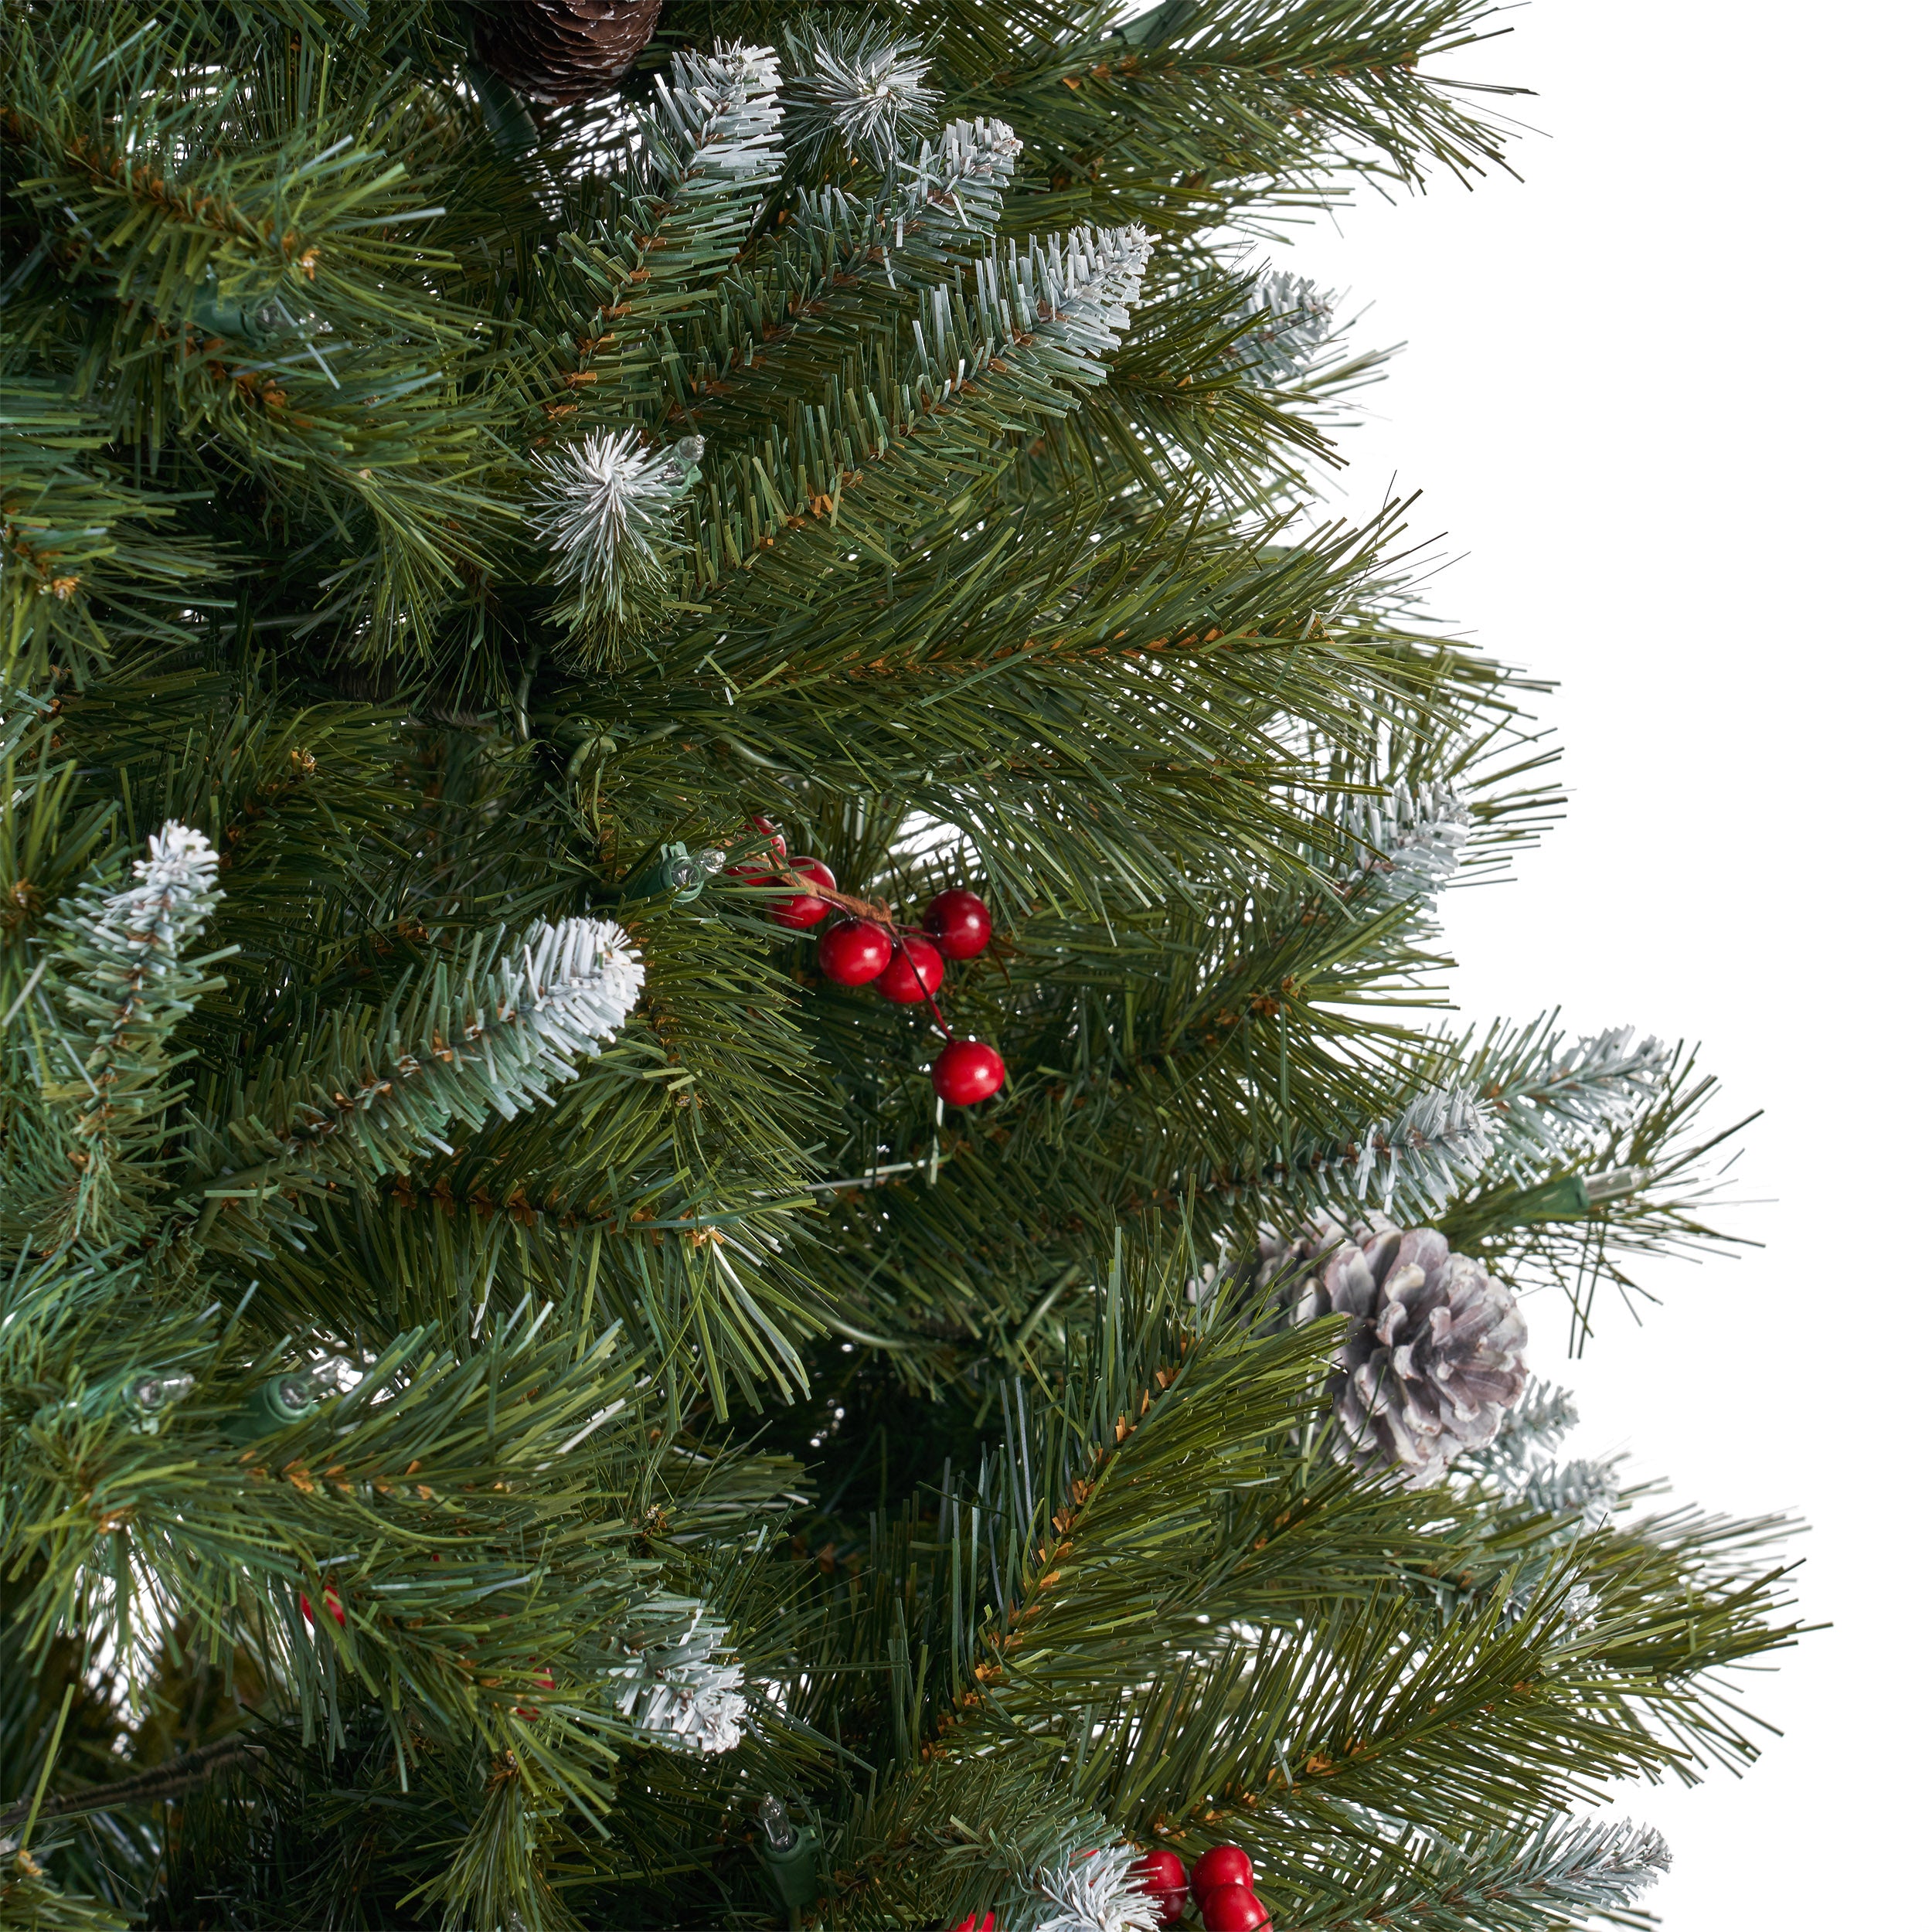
(1433, 1356)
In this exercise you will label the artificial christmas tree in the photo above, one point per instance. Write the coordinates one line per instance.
(524, 1406)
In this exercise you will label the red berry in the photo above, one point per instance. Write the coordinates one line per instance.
(1222, 1865)
(854, 951)
(771, 851)
(1163, 1876)
(976, 1922)
(1160, 1872)
(805, 908)
(548, 1682)
(967, 1072)
(961, 926)
(332, 1603)
(1232, 1908)
(914, 972)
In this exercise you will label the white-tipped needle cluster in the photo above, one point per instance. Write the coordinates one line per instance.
(678, 1696)
(869, 90)
(1628, 1850)
(719, 112)
(172, 897)
(960, 180)
(573, 987)
(602, 506)
(1291, 322)
(1093, 1892)
(1596, 1085)
(1068, 296)
(547, 1000)
(1440, 1140)
(1410, 839)
(1587, 1490)
(1082, 284)
(1600, 1864)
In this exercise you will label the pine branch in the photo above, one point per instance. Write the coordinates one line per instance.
(858, 476)
(1547, 1876)
(128, 988)
(1550, 1100)
(708, 157)
(1412, 1163)
(1286, 323)
(247, 275)
(1274, 107)
(95, 564)
(495, 1040)
(1634, 1179)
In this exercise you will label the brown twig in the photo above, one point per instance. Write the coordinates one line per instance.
(880, 914)
(149, 1786)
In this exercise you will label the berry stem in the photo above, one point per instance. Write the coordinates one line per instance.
(880, 915)
(932, 1005)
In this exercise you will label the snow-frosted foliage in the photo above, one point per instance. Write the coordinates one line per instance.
(1596, 1863)
(858, 90)
(1093, 1891)
(1585, 1490)
(605, 505)
(570, 987)
(1410, 841)
(1564, 1871)
(1518, 1463)
(496, 1040)
(1075, 291)
(935, 202)
(125, 986)
(131, 987)
(1409, 1165)
(719, 115)
(1063, 304)
(1517, 1468)
(681, 1695)
(1557, 1098)
(960, 180)
(145, 927)
(1289, 321)
(1576, 1612)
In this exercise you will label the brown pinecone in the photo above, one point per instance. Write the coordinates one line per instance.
(1434, 1355)
(559, 51)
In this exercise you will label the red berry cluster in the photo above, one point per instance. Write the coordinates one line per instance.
(906, 966)
(1222, 1883)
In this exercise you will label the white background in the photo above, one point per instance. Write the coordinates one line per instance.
(1666, 401)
